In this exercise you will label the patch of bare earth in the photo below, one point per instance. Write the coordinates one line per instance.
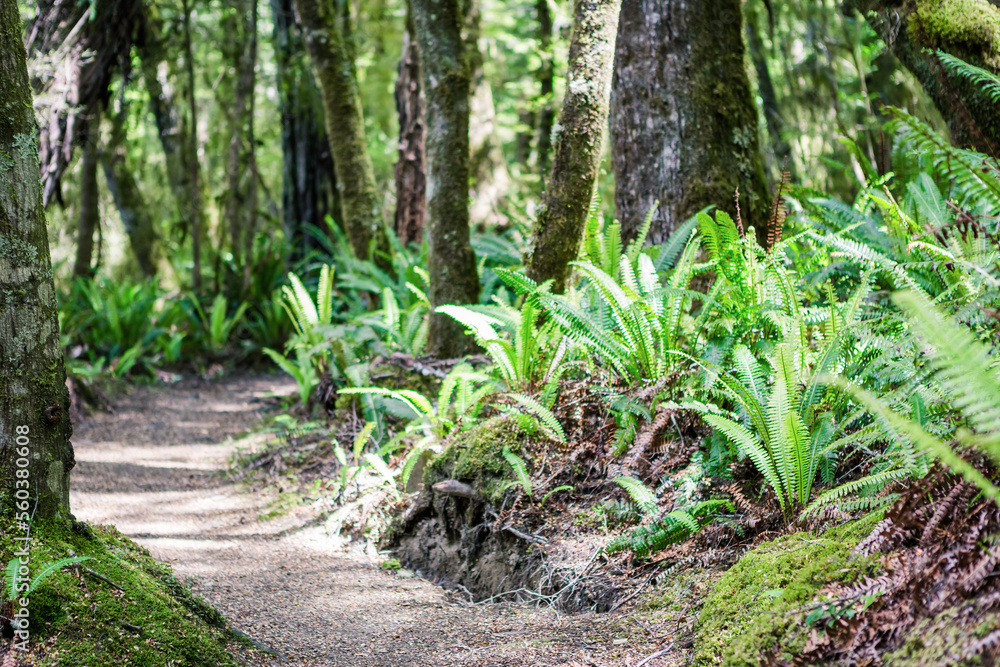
(155, 469)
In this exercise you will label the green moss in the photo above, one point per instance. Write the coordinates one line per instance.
(747, 613)
(971, 25)
(78, 619)
(476, 456)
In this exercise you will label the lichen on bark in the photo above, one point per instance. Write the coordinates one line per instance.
(563, 214)
(327, 34)
(33, 393)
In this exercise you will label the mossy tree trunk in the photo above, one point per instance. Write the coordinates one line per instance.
(308, 183)
(683, 121)
(967, 29)
(152, 48)
(327, 37)
(411, 161)
(192, 167)
(34, 402)
(563, 213)
(546, 80)
(446, 79)
(780, 149)
(90, 215)
(490, 180)
(128, 198)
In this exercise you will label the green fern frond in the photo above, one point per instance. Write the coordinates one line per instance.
(520, 469)
(986, 80)
(641, 494)
(548, 420)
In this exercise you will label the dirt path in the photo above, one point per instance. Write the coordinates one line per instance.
(152, 469)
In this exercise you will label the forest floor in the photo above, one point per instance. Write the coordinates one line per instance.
(155, 467)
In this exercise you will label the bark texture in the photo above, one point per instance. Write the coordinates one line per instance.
(446, 79)
(683, 121)
(308, 184)
(192, 167)
(34, 401)
(90, 214)
(563, 214)
(546, 80)
(968, 29)
(327, 37)
(411, 171)
(241, 206)
(128, 198)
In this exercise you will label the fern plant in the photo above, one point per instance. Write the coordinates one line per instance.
(316, 347)
(520, 361)
(965, 370)
(627, 319)
(661, 530)
(15, 585)
(782, 436)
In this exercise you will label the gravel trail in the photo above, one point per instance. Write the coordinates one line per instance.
(152, 468)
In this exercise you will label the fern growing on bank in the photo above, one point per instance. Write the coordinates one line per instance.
(661, 530)
(966, 371)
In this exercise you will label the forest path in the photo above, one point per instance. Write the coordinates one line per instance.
(152, 468)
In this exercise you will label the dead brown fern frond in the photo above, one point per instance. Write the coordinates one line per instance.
(776, 221)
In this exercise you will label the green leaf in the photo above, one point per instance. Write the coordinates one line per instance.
(520, 469)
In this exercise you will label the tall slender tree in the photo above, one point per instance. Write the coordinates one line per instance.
(240, 176)
(34, 402)
(446, 79)
(559, 228)
(192, 165)
(89, 217)
(411, 163)
(308, 182)
(128, 198)
(327, 36)
(683, 122)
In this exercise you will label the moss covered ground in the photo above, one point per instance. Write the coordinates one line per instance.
(146, 618)
(758, 606)
(476, 456)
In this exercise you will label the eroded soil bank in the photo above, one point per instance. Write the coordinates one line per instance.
(154, 468)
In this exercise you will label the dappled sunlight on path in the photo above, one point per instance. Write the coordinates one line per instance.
(152, 468)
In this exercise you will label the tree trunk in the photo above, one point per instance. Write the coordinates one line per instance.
(967, 29)
(546, 79)
(237, 164)
(780, 149)
(128, 198)
(683, 122)
(251, 222)
(152, 49)
(327, 40)
(487, 166)
(411, 175)
(446, 80)
(192, 166)
(308, 184)
(89, 211)
(34, 403)
(559, 228)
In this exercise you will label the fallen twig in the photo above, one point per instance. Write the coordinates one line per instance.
(102, 578)
(656, 655)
